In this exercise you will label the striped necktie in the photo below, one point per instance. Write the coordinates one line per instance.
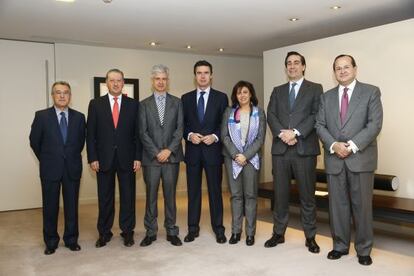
(161, 107)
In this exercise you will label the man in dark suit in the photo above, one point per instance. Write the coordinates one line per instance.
(161, 131)
(291, 117)
(348, 123)
(203, 109)
(114, 149)
(57, 138)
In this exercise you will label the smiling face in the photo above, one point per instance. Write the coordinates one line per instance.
(115, 83)
(345, 71)
(294, 68)
(243, 96)
(61, 96)
(203, 77)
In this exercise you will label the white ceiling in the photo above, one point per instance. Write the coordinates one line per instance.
(241, 27)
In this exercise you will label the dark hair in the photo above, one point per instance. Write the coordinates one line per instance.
(65, 83)
(114, 70)
(344, 55)
(293, 53)
(203, 63)
(239, 86)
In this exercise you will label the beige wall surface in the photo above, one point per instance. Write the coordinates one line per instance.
(385, 58)
(79, 64)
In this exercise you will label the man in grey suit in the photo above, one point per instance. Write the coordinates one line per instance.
(348, 122)
(161, 130)
(291, 116)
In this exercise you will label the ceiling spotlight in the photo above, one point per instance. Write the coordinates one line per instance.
(153, 44)
(221, 50)
(335, 7)
(69, 1)
(107, 1)
(293, 19)
(188, 47)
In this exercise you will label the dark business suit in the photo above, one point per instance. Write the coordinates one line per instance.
(60, 163)
(299, 160)
(156, 137)
(351, 180)
(202, 156)
(115, 149)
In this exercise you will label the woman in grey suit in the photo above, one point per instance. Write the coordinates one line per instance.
(243, 131)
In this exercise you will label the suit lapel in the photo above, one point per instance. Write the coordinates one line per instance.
(168, 108)
(210, 105)
(335, 107)
(71, 124)
(301, 93)
(354, 102)
(54, 123)
(152, 105)
(107, 110)
(193, 99)
(284, 97)
(124, 110)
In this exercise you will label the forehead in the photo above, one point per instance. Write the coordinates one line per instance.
(243, 89)
(114, 76)
(293, 58)
(343, 61)
(160, 76)
(203, 69)
(61, 87)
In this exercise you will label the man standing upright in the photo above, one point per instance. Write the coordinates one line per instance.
(348, 123)
(291, 117)
(114, 149)
(57, 138)
(203, 109)
(161, 131)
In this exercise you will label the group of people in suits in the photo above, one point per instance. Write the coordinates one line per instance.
(124, 135)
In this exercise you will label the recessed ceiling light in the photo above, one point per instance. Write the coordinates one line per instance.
(335, 7)
(221, 50)
(107, 1)
(188, 47)
(69, 1)
(293, 19)
(153, 44)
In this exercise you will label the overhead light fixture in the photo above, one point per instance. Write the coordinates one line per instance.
(153, 44)
(107, 1)
(335, 7)
(293, 19)
(221, 50)
(69, 1)
(189, 47)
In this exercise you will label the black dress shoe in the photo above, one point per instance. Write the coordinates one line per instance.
(191, 236)
(129, 240)
(312, 245)
(235, 238)
(221, 238)
(101, 242)
(249, 240)
(335, 255)
(73, 246)
(174, 240)
(49, 251)
(148, 240)
(274, 240)
(364, 260)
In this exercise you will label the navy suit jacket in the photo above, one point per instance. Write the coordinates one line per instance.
(103, 139)
(216, 105)
(47, 143)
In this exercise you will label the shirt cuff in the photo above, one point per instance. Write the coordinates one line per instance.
(188, 136)
(353, 147)
(296, 132)
(331, 151)
(215, 136)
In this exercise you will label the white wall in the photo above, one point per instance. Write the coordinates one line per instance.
(79, 64)
(385, 58)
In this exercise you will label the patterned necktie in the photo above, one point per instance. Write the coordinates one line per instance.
(344, 105)
(115, 112)
(200, 107)
(161, 107)
(292, 95)
(63, 126)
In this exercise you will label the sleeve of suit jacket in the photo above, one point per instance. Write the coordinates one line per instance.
(272, 119)
(35, 136)
(253, 148)
(224, 103)
(146, 140)
(138, 142)
(82, 132)
(321, 125)
(91, 133)
(225, 135)
(178, 132)
(308, 124)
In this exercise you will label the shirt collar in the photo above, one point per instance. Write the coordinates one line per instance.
(58, 111)
(207, 90)
(157, 94)
(111, 98)
(298, 82)
(350, 87)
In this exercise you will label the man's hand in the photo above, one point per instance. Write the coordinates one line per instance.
(341, 149)
(163, 155)
(240, 159)
(94, 166)
(292, 142)
(137, 165)
(208, 139)
(288, 136)
(196, 138)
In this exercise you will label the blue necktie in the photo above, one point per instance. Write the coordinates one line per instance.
(63, 126)
(200, 107)
(292, 95)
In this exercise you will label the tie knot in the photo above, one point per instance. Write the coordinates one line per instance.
(346, 90)
(62, 114)
(115, 99)
(202, 93)
(294, 84)
(161, 97)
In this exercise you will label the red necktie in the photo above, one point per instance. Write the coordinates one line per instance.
(344, 105)
(115, 112)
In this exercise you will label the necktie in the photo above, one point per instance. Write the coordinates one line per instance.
(115, 112)
(200, 107)
(292, 95)
(161, 108)
(344, 105)
(63, 124)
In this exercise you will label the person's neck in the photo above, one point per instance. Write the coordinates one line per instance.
(203, 88)
(61, 108)
(245, 108)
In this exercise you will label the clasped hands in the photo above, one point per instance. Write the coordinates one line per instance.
(342, 149)
(95, 165)
(163, 155)
(240, 159)
(288, 136)
(197, 138)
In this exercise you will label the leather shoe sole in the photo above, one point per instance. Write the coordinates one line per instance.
(335, 255)
(364, 260)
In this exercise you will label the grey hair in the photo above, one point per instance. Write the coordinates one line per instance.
(160, 69)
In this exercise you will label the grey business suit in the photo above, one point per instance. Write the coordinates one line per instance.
(244, 187)
(350, 180)
(299, 160)
(156, 137)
